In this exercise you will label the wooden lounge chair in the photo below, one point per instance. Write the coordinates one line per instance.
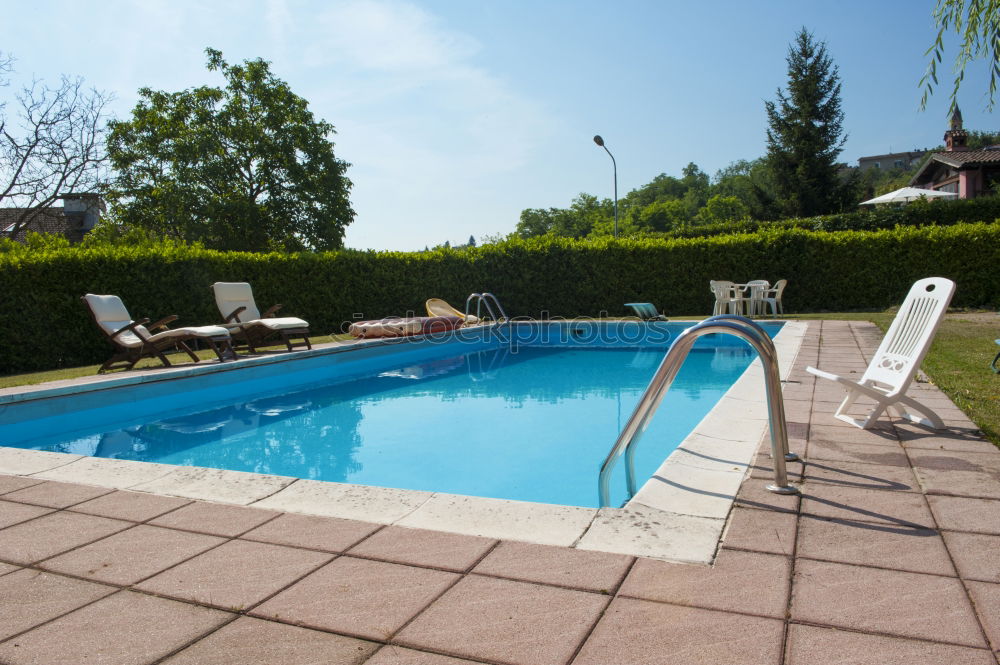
(246, 324)
(134, 340)
(898, 357)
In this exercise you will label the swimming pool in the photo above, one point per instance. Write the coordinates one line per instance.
(528, 417)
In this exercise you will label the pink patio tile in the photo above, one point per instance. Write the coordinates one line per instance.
(965, 514)
(123, 629)
(420, 547)
(329, 534)
(954, 460)
(640, 632)
(875, 436)
(394, 655)
(978, 484)
(812, 645)
(747, 582)
(834, 451)
(133, 555)
(249, 640)
(216, 519)
(134, 506)
(760, 531)
(7, 568)
(864, 476)
(753, 494)
(863, 505)
(987, 600)
(370, 599)
(763, 469)
(501, 620)
(235, 575)
(915, 437)
(892, 602)
(560, 566)
(976, 555)
(55, 495)
(882, 546)
(11, 483)
(30, 597)
(13, 513)
(52, 534)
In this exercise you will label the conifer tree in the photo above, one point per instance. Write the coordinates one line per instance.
(805, 132)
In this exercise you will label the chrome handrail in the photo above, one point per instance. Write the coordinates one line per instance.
(664, 377)
(485, 299)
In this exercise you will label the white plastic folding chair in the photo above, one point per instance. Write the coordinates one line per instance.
(898, 357)
(728, 299)
(758, 287)
(772, 297)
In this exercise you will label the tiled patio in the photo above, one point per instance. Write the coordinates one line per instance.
(891, 555)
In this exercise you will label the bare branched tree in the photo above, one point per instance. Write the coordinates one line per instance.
(51, 143)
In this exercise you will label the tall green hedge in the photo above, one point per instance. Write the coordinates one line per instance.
(44, 325)
(939, 212)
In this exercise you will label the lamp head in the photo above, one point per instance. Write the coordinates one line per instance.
(599, 141)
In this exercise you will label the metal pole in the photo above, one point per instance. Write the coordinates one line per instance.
(614, 167)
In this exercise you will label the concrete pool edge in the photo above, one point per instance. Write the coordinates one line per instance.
(689, 531)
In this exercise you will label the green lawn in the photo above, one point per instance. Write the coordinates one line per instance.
(958, 362)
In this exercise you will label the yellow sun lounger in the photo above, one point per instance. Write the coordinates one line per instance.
(438, 307)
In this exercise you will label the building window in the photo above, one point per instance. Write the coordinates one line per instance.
(898, 164)
(877, 165)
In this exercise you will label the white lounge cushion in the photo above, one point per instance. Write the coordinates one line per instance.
(230, 296)
(111, 315)
(273, 324)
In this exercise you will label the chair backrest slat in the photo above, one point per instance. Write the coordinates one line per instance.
(909, 337)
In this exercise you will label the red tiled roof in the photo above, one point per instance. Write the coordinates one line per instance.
(48, 220)
(967, 157)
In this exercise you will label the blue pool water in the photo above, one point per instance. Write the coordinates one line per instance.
(532, 424)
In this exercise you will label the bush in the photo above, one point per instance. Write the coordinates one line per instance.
(44, 324)
(918, 213)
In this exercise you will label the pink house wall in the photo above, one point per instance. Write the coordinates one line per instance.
(967, 184)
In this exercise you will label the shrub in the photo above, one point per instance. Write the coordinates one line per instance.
(44, 324)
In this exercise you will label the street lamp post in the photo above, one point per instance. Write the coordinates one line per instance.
(599, 141)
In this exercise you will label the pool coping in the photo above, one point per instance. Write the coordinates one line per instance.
(689, 520)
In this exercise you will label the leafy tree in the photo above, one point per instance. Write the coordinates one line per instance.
(977, 23)
(721, 208)
(805, 134)
(665, 215)
(472, 241)
(246, 167)
(51, 144)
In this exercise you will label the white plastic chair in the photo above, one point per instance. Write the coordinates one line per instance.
(772, 297)
(727, 298)
(898, 357)
(758, 287)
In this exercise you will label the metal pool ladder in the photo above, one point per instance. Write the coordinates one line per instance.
(485, 299)
(729, 324)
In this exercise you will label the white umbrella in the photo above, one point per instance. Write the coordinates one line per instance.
(907, 194)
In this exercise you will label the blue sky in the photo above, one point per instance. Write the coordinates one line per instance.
(458, 114)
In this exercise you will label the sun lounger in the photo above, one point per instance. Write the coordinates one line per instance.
(134, 340)
(246, 324)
